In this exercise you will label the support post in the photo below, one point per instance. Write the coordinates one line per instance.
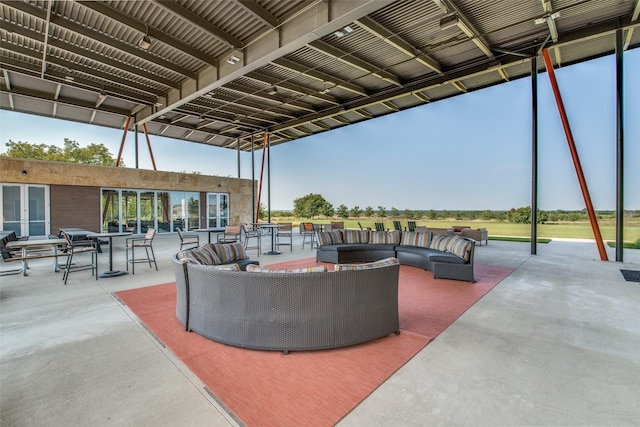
(253, 178)
(135, 140)
(146, 134)
(124, 138)
(534, 155)
(264, 153)
(574, 155)
(619, 147)
(238, 153)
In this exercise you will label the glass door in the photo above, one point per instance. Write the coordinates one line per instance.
(217, 209)
(25, 209)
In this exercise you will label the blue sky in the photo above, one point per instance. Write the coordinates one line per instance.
(468, 152)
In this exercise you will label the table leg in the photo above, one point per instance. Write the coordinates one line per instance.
(273, 240)
(25, 265)
(110, 272)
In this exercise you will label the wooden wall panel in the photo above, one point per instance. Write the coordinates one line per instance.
(74, 206)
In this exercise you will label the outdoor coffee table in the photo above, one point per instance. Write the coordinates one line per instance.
(111, 272)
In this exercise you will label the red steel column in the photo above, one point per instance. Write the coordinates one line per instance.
(124, 138)
(146, 134)
(574, 155)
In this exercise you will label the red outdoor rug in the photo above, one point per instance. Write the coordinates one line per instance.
(312, 388)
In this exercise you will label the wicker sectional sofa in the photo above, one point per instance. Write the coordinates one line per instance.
(288, 310)
(448, 257)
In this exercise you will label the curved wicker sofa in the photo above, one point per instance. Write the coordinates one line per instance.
(411, 248)
(287, 311)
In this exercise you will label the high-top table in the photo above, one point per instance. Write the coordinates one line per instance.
(111, 272)
(274, 229)
(209, 231)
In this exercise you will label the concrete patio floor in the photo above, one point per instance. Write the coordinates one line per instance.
(556, 343)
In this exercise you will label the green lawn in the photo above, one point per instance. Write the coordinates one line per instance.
(577, 230)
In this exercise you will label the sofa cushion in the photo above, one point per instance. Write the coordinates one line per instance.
(456, 245)
(414, 238)
(355, 236)
(446, 257)
(329, 238)
(205, 254)
(367, 265)
(315, 269)
(228, 252)
(384, 237)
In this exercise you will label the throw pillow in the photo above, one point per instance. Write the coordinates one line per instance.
(204, 254)
(385, 237)
(228, 252)
(367, 265)
(329, 237)
(355, 236)
(257, 269)
(414, 238)
(455, 245)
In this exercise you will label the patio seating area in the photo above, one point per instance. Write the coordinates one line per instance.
(554, 343)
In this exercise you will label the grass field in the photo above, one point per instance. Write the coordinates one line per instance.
(574, 230)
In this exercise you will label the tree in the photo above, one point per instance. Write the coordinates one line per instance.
(382, 211)
(311, 205)
(342, 211)
(395, 213)
(92, 154)
(432, 214)
(356, 211)
(368, 211)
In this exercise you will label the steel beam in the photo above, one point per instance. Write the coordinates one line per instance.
(619, 146)
(534, 155)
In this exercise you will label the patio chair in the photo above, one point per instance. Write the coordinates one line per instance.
(308, 231)
(72, 250)
(411, 225)
(379, 226)
(285, 232)
(397, 226)
(337, 225)
(361, 228)
(188, 238)
(232, 234)
(252, 232)
(140, 242)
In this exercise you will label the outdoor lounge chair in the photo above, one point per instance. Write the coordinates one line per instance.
(188, 239)
(141, 242)
(284, 233)
(84, 248)
(232, 233)
(252, 232)
(308, 231)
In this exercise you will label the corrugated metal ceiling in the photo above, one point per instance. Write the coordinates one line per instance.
(302, 66)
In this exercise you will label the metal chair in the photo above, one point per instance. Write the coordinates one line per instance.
(411, 225)
(73, 250)
(187, 238)
(232, 234)
(379, 226)
(337, 225)
(397, 226)
(145, 242)
(308, 231)
(285, 231)
(252, 232)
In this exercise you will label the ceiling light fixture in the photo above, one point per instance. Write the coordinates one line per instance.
(546, 18)
(233, 59)
(273, 90)
(343, 32)
(145, 41)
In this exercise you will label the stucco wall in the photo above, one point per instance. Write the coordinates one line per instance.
(58, 173)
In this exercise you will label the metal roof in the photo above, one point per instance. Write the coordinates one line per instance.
(217, 72)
